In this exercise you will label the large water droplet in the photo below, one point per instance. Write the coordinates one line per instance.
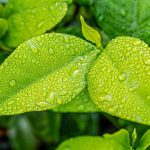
(106, 97)
(50, 96)
(122, 77)
(12, 83)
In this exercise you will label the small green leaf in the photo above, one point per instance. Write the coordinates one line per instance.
(118, 140)
(44, 72)
(27, 18)
(133, 137)
(119, 81)
(145, 141)
(3, 26)
(90, 34)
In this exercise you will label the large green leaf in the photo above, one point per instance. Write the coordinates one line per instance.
(119, 140)
(28, 18)
(119, 81)
(44, 72)
(124, 17)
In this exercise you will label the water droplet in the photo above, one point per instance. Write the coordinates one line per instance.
(59, 101)
(147, 61)
(12, 83)
(138, 119)
(51, 51)
(33, 47)
(67, 40)
(50, 96)
(40, 24)
(122, 77)
(106, 97)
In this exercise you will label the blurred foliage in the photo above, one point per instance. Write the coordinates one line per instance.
(45, 130)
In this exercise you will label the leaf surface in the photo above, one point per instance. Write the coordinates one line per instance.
(44, 72)
(118, 140)
(119, 81)
(27, 19)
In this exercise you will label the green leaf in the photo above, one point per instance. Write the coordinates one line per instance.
(81, 103)
(3, 26)
(119, 81)
(90, 34)
(118, 140)
(145, 141)
(133, 137)
(123, 17)
(44, 72)
(27, 18)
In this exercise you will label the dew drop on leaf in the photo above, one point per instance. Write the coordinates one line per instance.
(122, 77)
(12, 83)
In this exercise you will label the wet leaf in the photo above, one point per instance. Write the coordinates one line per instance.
(119, 81)
(44, 72)
(27, 19)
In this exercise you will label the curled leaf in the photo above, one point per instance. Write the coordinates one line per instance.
(90, 34)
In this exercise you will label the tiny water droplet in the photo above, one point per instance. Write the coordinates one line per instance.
(122, 77)
(12, 83)
(40, 24)
(67, 40)
(51, 51)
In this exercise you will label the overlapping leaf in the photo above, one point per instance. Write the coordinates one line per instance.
(119, 81)
(44, 72)
(119, 140)
(27, 18)
(124, 17)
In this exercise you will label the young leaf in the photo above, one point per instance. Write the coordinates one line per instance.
(3, 26)
(144, 142)
(28, 18)
(119, 81)
(118, 140)
(90, 34)
(81, 103)
(133, 137)
(44, 72)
